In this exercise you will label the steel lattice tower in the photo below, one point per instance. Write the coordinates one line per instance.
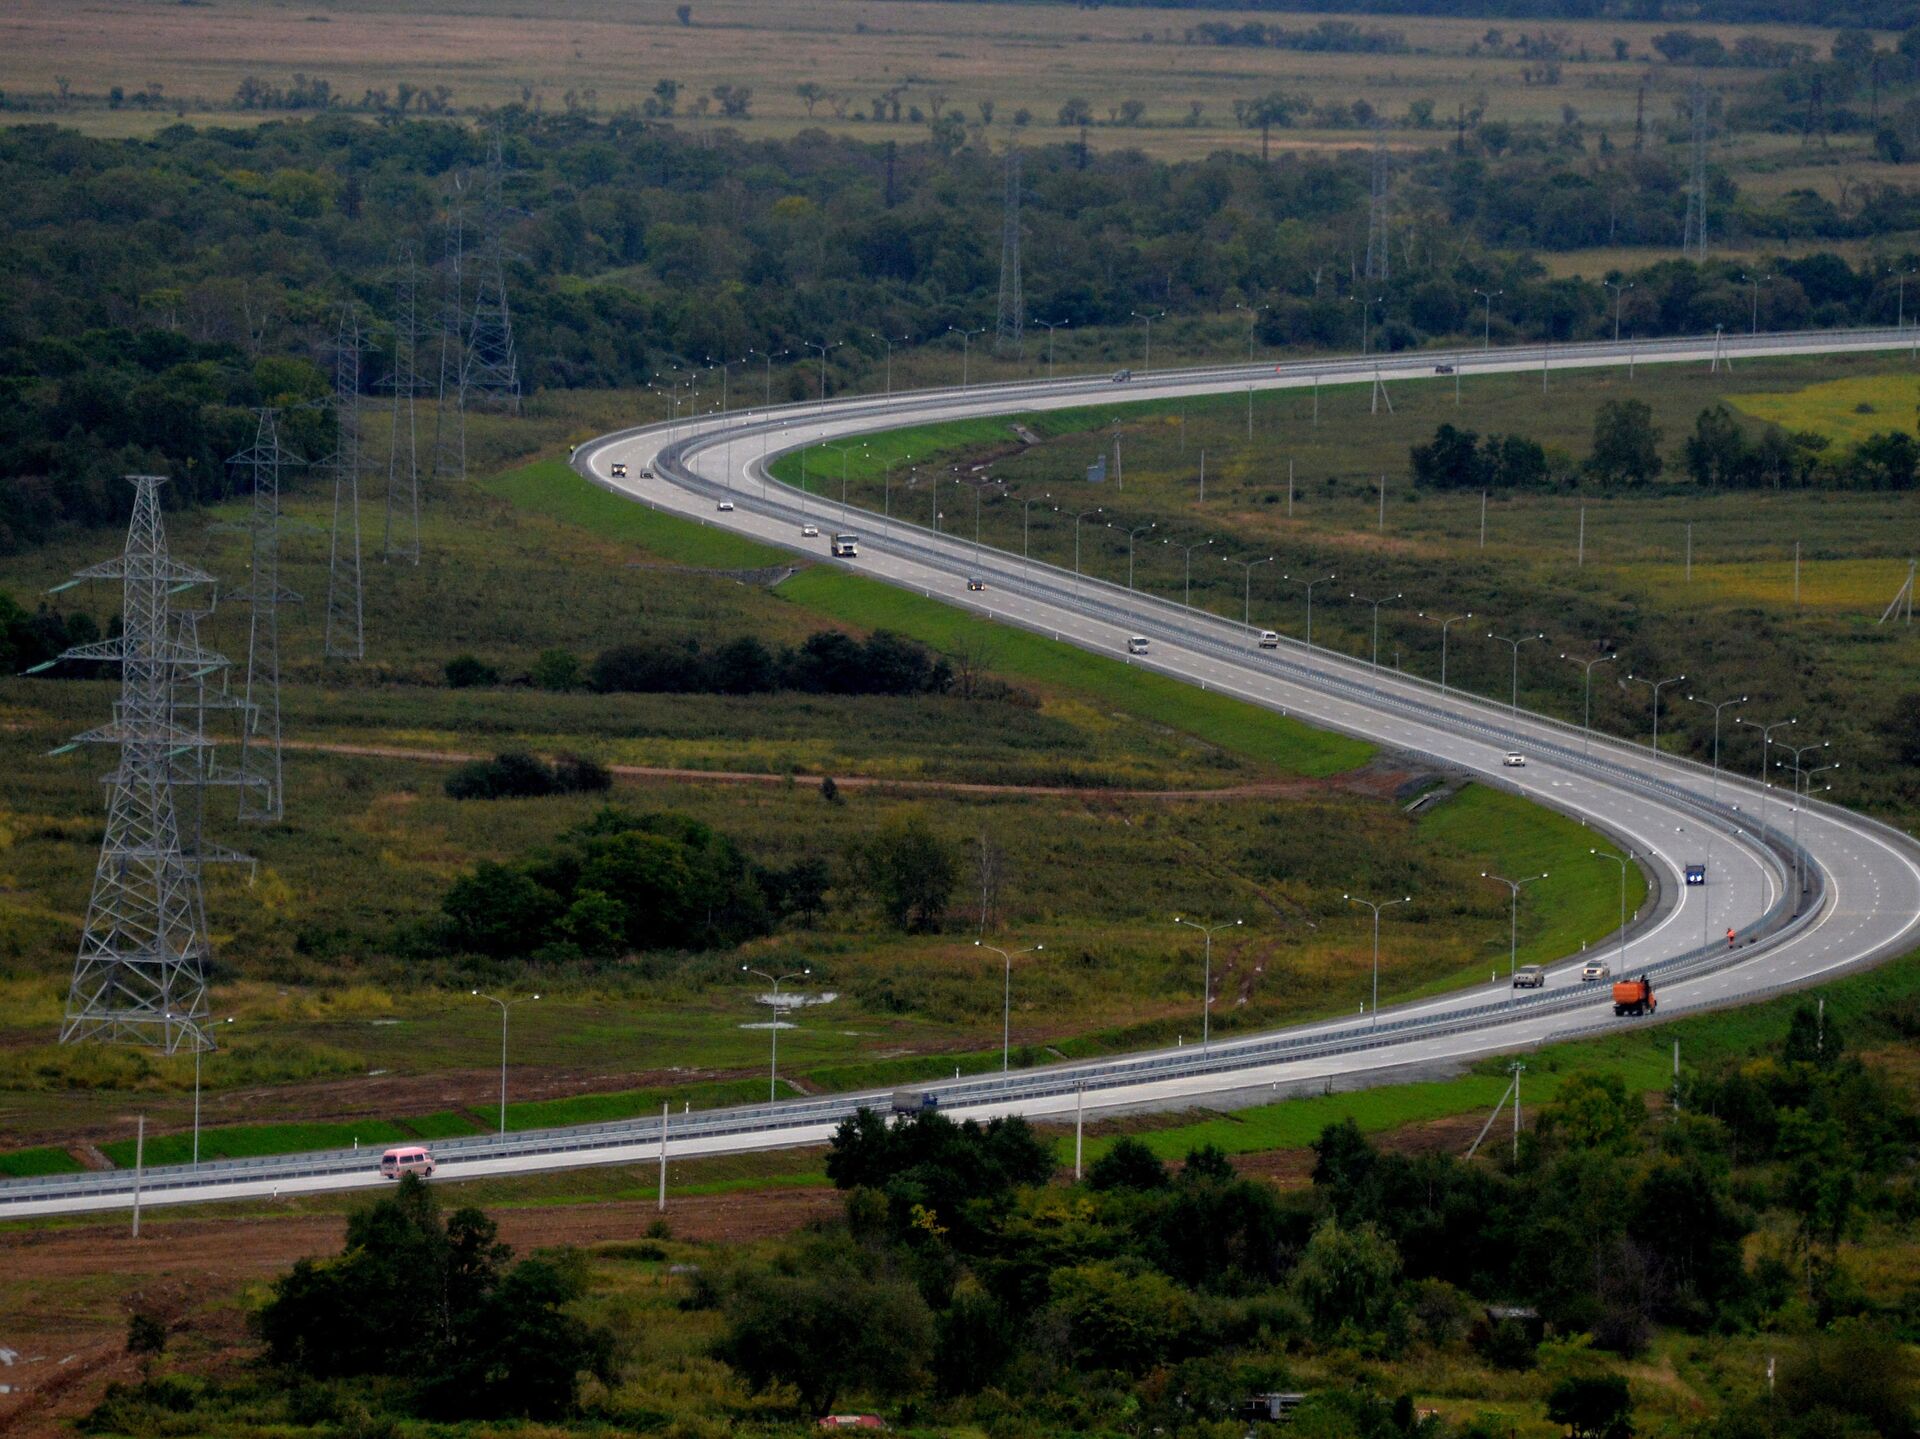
(450, 428)
(1693, 239)
(140, 976)
(346, 636)
(1379, 246)
(401, 538)
(1010, 331)
(262, 796)
(490, 373)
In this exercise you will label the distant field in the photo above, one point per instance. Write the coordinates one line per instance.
(1846, 411)
(605, 55)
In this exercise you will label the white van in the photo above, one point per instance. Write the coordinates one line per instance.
(1269, 640)
(406, 1159)
(1136, 644)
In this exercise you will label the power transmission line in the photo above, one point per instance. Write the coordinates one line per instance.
(1010, 330)
(400, 538)
(346, 636)
(262, 796)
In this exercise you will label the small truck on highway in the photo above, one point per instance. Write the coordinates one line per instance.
(846, 547)
(915, 1101)
(1634, 996)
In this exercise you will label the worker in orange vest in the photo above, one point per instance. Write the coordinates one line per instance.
(1729, 939)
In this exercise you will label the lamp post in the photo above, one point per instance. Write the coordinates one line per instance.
(1051, 325)
(1656, 686)
(1754, 282)
(1252, 311)
(1766, 742)
(1308, 585)
(1376, 908)
(721, 366)
(890, 341)
(1619, 289)
(1513, 924)
(1486, 329)
(1901, 296)
(773, 1030)
(1084, 514)
(1513, 701)
(1026, 518)
(823, 348)
(1133, 535)
(1445, 624)
(1586, 707)
(966, 349)
(886, 486)
(843, 449)
(1366, 317)
(1716, 708)
(1622, 862)
(1797, 768)
(1383, 600)
(1246, 599)
(769, 356)
(1006, 998)
(505, 1006)
(1206, 1008)
(198, 1050)
(1196, 545)
(1147, 364)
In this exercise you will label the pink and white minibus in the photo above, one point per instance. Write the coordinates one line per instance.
(406, 1159)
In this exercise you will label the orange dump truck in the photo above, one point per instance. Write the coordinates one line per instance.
(1633, 996)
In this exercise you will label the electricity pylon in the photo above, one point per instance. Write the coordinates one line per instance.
(262, 796)
(346, 636)
(400, 539)
(1010, 330)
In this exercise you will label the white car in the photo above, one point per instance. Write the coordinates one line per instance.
(1595, 969)
(809, 532)
(1530, 976)
(1136, 644)
(1269, 640)
(1516, 760)
(725, 506)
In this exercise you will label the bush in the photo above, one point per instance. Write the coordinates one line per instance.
(516, 774)
(470, 672)
(828, 662)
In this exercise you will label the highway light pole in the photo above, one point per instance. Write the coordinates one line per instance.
(1376, 908)
(1754, 282)
(1716, 708)
(1513, 923)
(966, 349)
(1797, 768)
(769, 356)
(1252, 311)
(1196, 545)
(1619, 293)
(1051, 325)
(843, 449)
(773, 1030)
(1486, 329)
(1076, 537)
(505, 1006)
(1157, 315)
(1766, 742)
(1133, 535)
(1586, 707)
(889, 341)
(1246, 599)
(823, 348)
(1616, 859)
(1006, 998)
(1383, 600)
(1308, 586)
(198, 1050)
(1513, 702)
(1206, 1008)
(1444, 626)
(1656, 686)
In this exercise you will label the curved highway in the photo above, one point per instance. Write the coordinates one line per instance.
(1809, 892)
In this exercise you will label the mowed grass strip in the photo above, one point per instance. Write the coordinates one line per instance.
(33, 1163)
(635, 1103)
(1260, 734)
(256, 1141)
(552, 488)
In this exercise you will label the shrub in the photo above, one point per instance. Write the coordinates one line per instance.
(470, 672)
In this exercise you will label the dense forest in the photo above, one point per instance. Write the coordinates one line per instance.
(156, 290)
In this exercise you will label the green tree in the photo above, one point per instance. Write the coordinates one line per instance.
(1120, 1316)
(1811, 1037)
(1347, 1277)
(1592, 1408)
(1626, 443)
(910, 871)
(499, 911)
(558, 670)
(1128, 1165)
(1592, 1111)
(470, 672)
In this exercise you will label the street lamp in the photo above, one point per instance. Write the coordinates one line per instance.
(1206, 1009)
(1586, 710)
(1754, 282)
(1133, 535)
(1622, 862)
(1619, 289)
(843, 449)
(1444, 625)
(1486, 329)
(1366, 316)
(1157, 315)
(1797, 766)
(1513, 924)
(773, 1030)
(1716, 708)
(1246, 618)
(1766, 741)
(1656, 686)
(769, 356)
(199, 1049)
(1196, 545)
(966, 348)
(505, 1006)
(1513, 702)
(1084, 514)
(823, 348)
(890, 341)
(1376, 908)
(1051, 325)
(1383, 600)
(1252, 310)
(1006, 998)
(1308, 585)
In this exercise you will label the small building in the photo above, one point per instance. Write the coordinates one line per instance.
(1269, 1408)
(1524, 1315)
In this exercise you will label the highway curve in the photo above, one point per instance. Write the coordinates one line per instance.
(1844, 894)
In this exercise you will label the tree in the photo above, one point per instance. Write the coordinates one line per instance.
(1451, 460)
(824, 1319)
(498, 911)
(1076, 111)
(1347, 1276)
(1120, 1316)
(811, 93)
(1811, 1038)
(1716, 453)
(470, 672)
(558, 670)
(684, 13)
(1128, 1165)
(1592, 1408)
(1626, 443)
(910, 871)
